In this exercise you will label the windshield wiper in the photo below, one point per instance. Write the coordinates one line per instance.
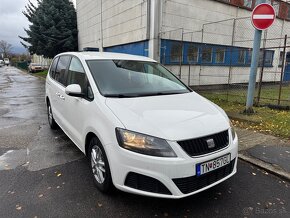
(161, 93)
(135, 95)
(120, 96)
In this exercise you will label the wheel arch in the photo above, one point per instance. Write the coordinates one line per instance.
(89, 137)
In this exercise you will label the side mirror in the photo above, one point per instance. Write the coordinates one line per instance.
(74, 90)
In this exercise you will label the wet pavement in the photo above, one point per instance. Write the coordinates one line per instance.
(25, 137)
(275, 154)
(42, 174)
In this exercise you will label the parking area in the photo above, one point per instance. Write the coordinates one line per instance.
(42, 173)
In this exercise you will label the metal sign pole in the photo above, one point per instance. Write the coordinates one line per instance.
(253, 71)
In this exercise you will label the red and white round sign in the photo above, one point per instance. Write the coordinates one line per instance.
(263, 16)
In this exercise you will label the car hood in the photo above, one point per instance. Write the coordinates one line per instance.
(172, 117)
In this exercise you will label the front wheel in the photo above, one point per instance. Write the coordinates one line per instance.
(100, 166)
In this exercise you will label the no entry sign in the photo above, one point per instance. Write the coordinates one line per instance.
(263, 16)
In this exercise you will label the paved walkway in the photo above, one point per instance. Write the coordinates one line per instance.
(268, 152)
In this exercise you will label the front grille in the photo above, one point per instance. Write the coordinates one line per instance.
(194, 183)
(145, 183)
(199, 146)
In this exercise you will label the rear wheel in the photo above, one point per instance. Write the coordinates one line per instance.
(51, 121)
(100, 166)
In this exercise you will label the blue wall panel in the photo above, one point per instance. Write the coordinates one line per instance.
(135, 48)
(231, 54)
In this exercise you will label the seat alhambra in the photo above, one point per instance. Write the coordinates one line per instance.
(143, 130)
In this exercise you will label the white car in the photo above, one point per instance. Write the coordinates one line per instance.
(6, 61)
(143, 130)
(1, 63)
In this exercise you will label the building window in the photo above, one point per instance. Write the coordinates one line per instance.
(267, 57)
(288, 12)
(281, 57)
(241, 56)
(267, 1)
(276, 6)
(261, 56)
(249, 58)
(220, 55)
(248, 3)
(206, 55)
(176, 52)
(192, 54)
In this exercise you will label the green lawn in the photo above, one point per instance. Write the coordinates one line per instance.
(265, 120)
(269, 95)
(42, 73)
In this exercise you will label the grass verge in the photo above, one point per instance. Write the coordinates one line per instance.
(264, 119)
(42, 73)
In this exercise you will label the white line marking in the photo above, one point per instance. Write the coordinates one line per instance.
(263, 16)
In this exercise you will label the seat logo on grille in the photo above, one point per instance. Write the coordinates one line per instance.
(210, 143)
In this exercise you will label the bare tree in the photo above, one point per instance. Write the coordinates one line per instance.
(5, 48)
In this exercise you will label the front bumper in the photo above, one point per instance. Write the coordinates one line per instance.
(168, 171)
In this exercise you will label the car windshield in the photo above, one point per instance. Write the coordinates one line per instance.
(127, 78)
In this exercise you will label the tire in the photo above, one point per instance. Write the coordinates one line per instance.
(51, 121)
(99, 165)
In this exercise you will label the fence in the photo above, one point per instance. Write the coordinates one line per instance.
(215, 61)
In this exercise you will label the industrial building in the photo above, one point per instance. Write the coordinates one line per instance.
(204, 42)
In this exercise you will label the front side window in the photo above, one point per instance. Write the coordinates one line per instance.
(126, 78)
(77, 75)
(60, 71)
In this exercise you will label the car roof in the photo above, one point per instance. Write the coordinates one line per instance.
(107, 56)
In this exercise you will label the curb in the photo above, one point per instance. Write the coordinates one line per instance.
(276, 170)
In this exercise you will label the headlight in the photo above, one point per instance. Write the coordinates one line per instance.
(233, 131)
(144, 144)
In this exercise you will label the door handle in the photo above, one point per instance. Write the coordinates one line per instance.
(62, 97)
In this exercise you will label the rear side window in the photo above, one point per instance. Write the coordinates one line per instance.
(53, 67)
(61, 68)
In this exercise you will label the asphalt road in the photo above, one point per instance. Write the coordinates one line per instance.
(42, 174)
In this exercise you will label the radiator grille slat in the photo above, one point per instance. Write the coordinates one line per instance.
(199, 146)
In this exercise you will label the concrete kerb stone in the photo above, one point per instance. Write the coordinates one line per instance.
(274, 169)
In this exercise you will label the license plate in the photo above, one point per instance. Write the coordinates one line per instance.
(212, 164)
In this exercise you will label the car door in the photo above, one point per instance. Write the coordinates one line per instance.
(50, 87)
(58, 85)
(77, 109)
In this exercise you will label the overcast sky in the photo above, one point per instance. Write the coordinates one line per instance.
(13, 22)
